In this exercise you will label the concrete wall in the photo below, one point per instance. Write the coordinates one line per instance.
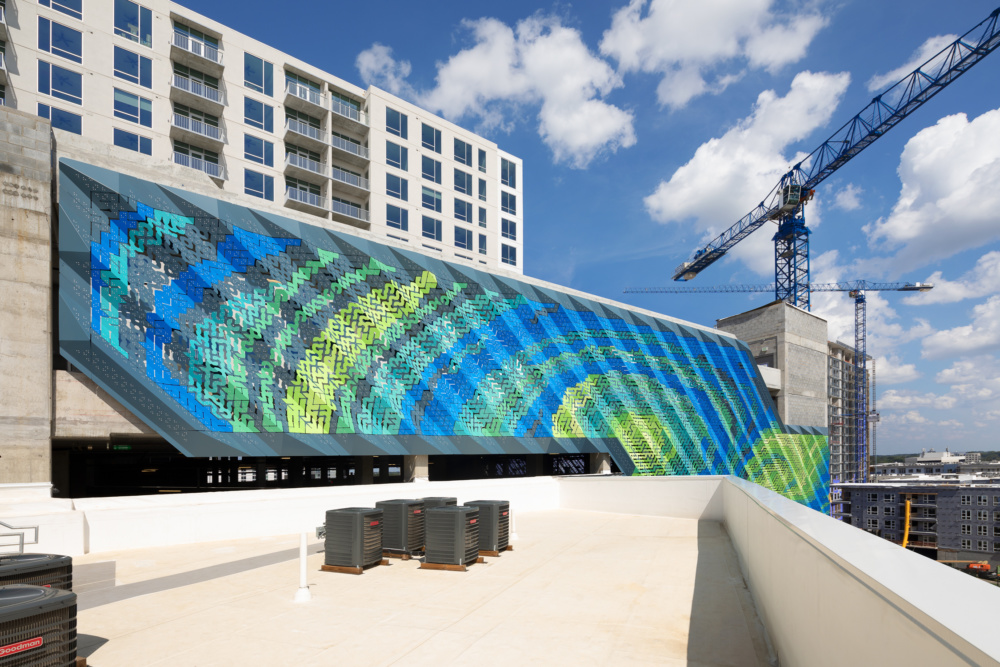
(84, 410)
(25, 298)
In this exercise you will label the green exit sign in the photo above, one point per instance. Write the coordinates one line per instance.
(122, 448)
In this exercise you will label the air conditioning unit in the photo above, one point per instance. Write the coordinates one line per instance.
(48, 570)
(353, 537)
(452, 536)
(37, 626)
(494, 525)
(439, 502)
(403, 527)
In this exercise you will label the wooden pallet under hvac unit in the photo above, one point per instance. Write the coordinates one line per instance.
(509, 547)
(448, 566)
(346, 569)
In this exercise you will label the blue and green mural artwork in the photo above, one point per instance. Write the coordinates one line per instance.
(235, 332)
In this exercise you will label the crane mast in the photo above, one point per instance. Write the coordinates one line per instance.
(786, 201)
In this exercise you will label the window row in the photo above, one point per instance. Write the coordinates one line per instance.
(981, 545)
(396, 123)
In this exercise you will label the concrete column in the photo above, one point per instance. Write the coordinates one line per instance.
(25, 299)
(600, 464)
(416, 469)
(364, 467)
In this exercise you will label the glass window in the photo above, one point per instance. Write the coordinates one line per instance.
(61, 83)
(872, 524)
(508, 254)
(508, 173)
(463, 211)
(305, 153)
(396, 156)
(62, 120)
(463, 238)
(431, 138)
(133, 67)
(966, 500)
(482, 189)
(983, 515)
(430, 168)
(134, 22)
(889, 511)
(966, 529)
(258, 150)
(133, 142)
(482, 244)
(397, 217)
(890, 524)
(196, 152)
(306, 119)
(133, 108)
(463, 152)
(258, 74)
(984, 500)
(395, 122)
(508, 229)
(292, 77)
(482, 160)
(59, 40)
(889, 497)
(258, 185)
(982, 530)
(431, 199)
(303, 186)
(966, 544)
(463, 182)
(194, 33)
(871, 509)
(966, 515)
(257, 114)
(482, 216)
(431, 228)
(396, 187)
(508, 203)
(72, 8)
(984, 545)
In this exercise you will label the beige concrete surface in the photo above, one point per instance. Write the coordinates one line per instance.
(579, 588)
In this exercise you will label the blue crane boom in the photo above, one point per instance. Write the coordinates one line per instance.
(785, 203)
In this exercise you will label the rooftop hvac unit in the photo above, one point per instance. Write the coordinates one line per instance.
(494, 525)
(452, 537)
(403, 527)
(353, 538)
(46, 570)
(37, 626)
(439, 502)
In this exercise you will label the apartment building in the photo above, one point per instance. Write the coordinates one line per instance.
(164, 81)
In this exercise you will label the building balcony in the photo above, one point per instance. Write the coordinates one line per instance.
(216, 171)
(305, 135)
(348, 182)
(348, 151)
(351, 214)
(189, 51)
(296, 165)
(347, 116)
(3, 21)
(304, 98)
(196, 94)
(190, 129)
(3, 69)
(306, 201)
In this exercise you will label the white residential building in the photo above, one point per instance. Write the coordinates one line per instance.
(164, 81)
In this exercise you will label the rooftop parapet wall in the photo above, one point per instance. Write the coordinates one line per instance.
(237, 332)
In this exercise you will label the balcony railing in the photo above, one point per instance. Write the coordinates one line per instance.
(350, 210)
(305, 163)
(212, 169)
(347, 111)
(3, 63)
(298, 127)
(350, 147)
(197, 47)
(349, 178)
(304, 93)
(3, 16)
(301, 196)
(199, 127)
(198, 89)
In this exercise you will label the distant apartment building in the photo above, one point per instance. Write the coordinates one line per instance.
(164, 81)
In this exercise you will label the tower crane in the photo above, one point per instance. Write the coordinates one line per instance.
(786, 201)
(856, 289)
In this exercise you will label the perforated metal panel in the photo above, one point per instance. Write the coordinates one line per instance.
(403, 529)
(47, 570)
(494, 524)
(452, 535)
(353, 537)
(37, 627)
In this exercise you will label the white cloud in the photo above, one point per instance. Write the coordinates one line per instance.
(920, 56)
(895, 399)
(973, 379)
(538, 62)
(379, 68)
(949, 201)
(981, 335)
(892, 370)
(729, 175)
(982, 280)
(689, 42)
(847, 199)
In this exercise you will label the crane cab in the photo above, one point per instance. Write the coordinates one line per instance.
(791, 196)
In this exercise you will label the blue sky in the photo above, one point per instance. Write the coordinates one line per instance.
(647, 128)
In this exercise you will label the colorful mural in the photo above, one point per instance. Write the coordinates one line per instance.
(235, 332)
